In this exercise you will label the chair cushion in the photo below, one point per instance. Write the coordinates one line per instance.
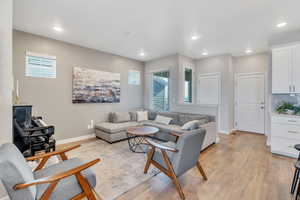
(68, 187)
(115, 127)
(14, 170)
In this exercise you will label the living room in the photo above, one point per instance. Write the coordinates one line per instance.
(117, 108)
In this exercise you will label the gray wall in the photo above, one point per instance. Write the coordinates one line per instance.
(6, 79)
(52, 98)
(175, 64)
(226, 65)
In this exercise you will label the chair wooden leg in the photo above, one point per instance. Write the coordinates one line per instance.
(201, 171)
(85, 187)
(173, 175)
(150, 156)
(49, 191)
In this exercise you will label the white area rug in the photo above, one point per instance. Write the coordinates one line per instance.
(119, 170)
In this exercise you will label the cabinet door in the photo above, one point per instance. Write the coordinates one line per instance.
(281, 70)
(296, 69)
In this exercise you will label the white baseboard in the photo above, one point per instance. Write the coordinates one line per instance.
(75, 139)
(223, 132)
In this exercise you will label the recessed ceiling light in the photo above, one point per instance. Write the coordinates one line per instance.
(248, 51)
(281, 24)
(57, 29)
(142, 54)
(195, 37)
(204, 53)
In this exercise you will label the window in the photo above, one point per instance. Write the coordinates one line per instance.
(188, 88)
(160, 97)
(41, 66)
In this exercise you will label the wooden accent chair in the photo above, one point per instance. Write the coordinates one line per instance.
(174, 159)
(68, 179)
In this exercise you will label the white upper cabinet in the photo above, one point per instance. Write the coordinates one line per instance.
(286, 70)
(296, 69)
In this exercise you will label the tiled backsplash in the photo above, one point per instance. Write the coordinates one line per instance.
(278, 98)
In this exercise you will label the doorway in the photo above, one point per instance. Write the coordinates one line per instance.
(250, 102)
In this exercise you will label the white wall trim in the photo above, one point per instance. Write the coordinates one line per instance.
(75, 139)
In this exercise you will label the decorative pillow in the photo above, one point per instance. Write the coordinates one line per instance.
(118, 117)
(191, 125)
(152, 114)
(142, 115)
(163, 120)
(133, 116)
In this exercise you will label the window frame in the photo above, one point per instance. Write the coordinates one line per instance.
(189, 67)
(169, 87)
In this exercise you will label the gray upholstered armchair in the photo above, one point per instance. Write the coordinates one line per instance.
(174, 159)
(69, 179)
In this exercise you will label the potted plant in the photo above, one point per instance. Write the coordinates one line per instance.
(287, 108)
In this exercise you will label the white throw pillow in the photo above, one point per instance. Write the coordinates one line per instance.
(142, 115)
(191, 125)
(163, 119)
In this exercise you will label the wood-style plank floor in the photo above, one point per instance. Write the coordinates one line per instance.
(240, 167)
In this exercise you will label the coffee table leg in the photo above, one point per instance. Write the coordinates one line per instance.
(137, 144)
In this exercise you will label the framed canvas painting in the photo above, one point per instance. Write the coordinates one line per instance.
(93, 86)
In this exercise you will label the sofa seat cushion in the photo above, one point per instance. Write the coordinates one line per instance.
(115, 127)
(67, 187)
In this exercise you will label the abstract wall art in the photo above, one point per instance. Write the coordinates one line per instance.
(93, 86)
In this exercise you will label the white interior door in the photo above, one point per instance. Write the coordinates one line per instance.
(250, 102)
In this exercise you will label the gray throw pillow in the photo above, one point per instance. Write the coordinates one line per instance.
(118, 117)
(191, 125)
(133, 116)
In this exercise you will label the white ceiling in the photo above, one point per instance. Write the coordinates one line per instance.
(159, 27)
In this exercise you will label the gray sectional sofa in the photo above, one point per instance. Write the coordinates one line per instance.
(112, 131)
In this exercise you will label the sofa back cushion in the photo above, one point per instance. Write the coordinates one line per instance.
(174, 116)
(163, 120)
(118, 117)
(184, 118)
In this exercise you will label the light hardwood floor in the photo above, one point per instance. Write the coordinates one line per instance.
(240, 167)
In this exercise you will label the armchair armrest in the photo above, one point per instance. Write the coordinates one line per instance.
(160, 146)
(58, 152)
(58, 176)
(175, 134)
